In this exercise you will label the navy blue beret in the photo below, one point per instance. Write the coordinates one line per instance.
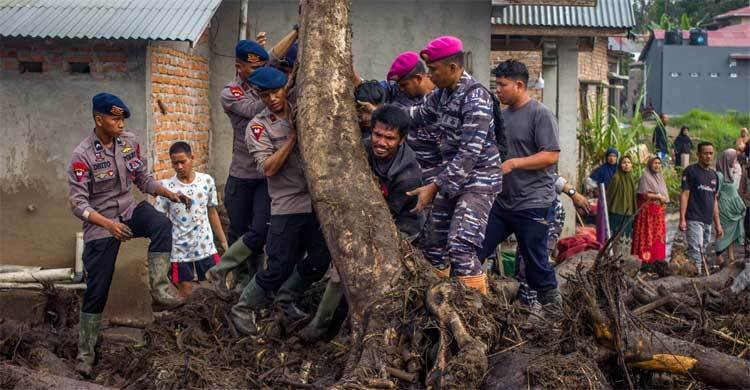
(250, 51)
(267, 78)
(106, 103)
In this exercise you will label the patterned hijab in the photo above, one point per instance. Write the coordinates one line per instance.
(651, 181)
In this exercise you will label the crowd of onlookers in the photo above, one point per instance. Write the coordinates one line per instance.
(713, 201)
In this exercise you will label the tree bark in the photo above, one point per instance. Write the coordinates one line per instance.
(356, 222)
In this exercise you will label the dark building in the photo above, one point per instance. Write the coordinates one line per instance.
(710, 72)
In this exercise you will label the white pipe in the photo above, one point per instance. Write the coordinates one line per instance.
(16, 268)
(243, 19)
(78, 276)
(59, 274)
(39, 286)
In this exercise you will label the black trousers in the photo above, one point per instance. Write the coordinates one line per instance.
(249, 208)
(99, 256)
(289, 238)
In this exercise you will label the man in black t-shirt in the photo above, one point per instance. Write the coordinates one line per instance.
(699, 206)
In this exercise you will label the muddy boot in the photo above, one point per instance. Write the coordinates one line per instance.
(319, 325)
(234, 256)
(158, 270)
(292, 289)
(550, 297)
(89, 330)
(243, 313)
(475, 282)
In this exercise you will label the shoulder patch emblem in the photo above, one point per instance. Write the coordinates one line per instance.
(79, 169)
(236, 91)
(257, 130)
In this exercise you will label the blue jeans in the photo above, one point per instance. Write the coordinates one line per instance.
(531, 227)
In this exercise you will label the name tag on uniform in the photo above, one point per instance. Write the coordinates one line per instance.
(102, 165)
(449, 121)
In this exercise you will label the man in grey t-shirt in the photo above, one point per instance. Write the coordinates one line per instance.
(526, 204)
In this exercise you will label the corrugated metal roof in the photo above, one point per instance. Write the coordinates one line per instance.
(179, 20)
(606, 14)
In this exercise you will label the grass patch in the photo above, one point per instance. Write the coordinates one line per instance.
(720, 129)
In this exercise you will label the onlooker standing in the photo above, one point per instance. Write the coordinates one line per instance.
(741, 142)
(526, 202)
(660, 138)
(649, 228)
(731, 207)
(603, 174)
(682, 146)
(699, 205)
(621, 202)
(193, 228)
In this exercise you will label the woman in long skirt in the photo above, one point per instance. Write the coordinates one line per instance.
(621, 204)
(731, 207)
(649, 228)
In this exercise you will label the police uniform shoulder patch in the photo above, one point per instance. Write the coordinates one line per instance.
(79, 169)
(257, 130)
(236, 91)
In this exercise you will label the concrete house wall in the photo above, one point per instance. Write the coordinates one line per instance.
(681, 77)
(704, 80)
(43, 116)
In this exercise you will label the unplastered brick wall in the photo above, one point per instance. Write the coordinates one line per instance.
(593, 65)
(180, 105)
(532, 60)
(97, 59)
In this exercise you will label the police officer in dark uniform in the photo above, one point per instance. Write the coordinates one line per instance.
(246, 191)
(102, 170)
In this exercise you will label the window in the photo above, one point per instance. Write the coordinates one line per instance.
(733, 75)
(714, 75)
(30, 67)
(674, 74)
(80, 67)
(694, 74)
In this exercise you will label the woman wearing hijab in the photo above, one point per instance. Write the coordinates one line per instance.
(682, 145)
(649, 228)
(621, 200)
(731, 207)
(604, 173)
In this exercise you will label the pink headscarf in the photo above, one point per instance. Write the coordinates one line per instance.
(651, 181)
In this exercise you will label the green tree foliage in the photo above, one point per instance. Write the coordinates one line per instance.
(650, 12)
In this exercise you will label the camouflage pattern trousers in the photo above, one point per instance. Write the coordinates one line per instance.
(454, 232)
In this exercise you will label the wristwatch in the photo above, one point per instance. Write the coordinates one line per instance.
(571, 192)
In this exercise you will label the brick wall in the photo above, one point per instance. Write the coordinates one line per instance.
(593, 65)
(532, 60)
(103, 58)
(180, 105)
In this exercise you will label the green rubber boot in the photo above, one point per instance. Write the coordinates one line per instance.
(243, 313)
(158, 277)
(324, 315)
(89, 330)
(232, 258)
(290, 291)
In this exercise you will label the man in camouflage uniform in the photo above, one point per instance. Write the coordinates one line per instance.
(408, 85)
(470, 175)
(414, 85)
